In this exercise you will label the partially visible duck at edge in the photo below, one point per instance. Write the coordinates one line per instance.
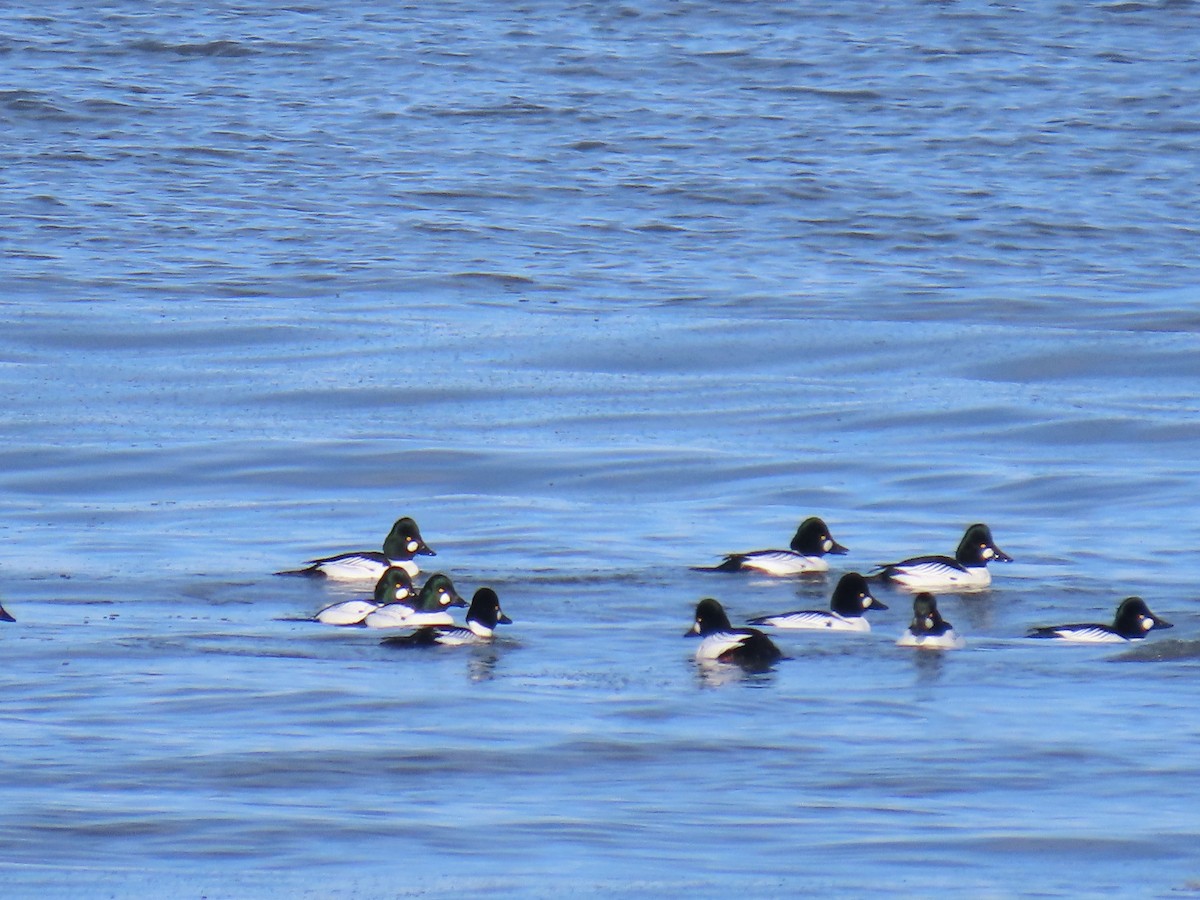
(1132, 622)
(394, 586)
(483, 616)
(811, 543)
(430, 607)
(403, 543)
(851, 599)
(928, 630)
(5, 616)
(966, 571)
(721, 642)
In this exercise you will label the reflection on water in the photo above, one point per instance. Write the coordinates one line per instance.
(481, 663)
(929, 665)
(710, 674)
(1163, 650)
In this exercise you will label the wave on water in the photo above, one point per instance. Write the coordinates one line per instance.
(205, 48)
(1161, 651)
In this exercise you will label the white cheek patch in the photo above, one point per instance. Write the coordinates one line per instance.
(827, 544)
(866, 602)
(412, 546)
(401, 593)
(444, 598)
(1147, 624)
(929, 624)
(988, 553)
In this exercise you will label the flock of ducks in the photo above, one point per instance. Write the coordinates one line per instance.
(396, 603)
(967, 570)
(424, 618)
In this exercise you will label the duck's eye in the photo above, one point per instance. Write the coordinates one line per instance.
(412, 545)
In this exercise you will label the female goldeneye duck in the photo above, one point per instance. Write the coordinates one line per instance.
(1132, 622)
(403, 543)
(809, 546)
(968, 569)
(721, 642)
(394, 586)
(5, 616)
(483, 616)
(430, 607)
(851, 598)
(928, 629)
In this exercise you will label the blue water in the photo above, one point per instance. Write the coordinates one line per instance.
(597, 293)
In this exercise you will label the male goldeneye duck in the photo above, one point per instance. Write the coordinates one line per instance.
(5, 616)
(403, 543)
(482, 618)
(430, 607)
(928, 629)
(1132, 622)
(968, 569)
(851, 598)
(809, 546)
(394, 586)
(721, 642)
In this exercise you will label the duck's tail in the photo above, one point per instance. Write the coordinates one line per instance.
(731, 563)
(308, 572)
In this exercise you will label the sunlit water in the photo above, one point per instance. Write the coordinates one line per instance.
(597, 294)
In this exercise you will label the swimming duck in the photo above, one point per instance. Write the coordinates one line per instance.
(928, 629)
(721, 642)
(851, 598)
(967, 570)
(394, 586)
(483, 616)
(431, 607)
(809, 546)
(1132, 622)
(5, 616)
(403, 543)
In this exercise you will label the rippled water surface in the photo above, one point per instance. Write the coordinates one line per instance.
(597, 293)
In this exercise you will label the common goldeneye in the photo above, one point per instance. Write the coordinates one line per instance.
(721, 642)
(400, 546)
(1132, 622)
(851, 598)
(482, 618)
(394, 586)
(809, 546)
(431, 607)
(928, 629)
(967, 570)
(5, 616)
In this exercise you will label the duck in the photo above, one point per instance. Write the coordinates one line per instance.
(482, 618)
(431, 607)
(811, 543)
(5, 615)
(928, 629)
(851, 599)
(967, 570)
(1132, 622)
(394, 586)
(721, 642)
(403, 543)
